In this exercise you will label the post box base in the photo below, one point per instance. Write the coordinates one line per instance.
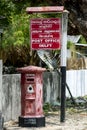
(32, 122)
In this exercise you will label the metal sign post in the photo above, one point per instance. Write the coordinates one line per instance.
(63, 64)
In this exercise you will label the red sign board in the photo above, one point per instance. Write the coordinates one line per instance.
(45, 33)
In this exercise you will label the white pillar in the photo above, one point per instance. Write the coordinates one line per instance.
(1, 85)
(63, 65)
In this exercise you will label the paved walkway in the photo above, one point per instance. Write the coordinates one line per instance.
(77, 121)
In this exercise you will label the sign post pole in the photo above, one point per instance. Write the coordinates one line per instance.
(63, 65)
(40, 41)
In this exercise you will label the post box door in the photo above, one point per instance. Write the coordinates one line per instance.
(30, 107)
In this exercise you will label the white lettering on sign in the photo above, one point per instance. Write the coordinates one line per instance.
(51, 31)
(37, 40)
(45, 26)
(51, 40)
(51, 21)
(46, 36)
(45, 21)
(36, 31)
(45, 45)
(45, 33)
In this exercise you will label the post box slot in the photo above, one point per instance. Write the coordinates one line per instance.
(30, 79)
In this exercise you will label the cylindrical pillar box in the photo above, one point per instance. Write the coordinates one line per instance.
(31, 97)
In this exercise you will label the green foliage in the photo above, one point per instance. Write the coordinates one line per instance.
(82, 40)
(19, 38)
(6, 7)
(17, 31)
(16, 42)
(47, 107)
(69, 44)
(85, 97)
(16, 39)
(19, 6)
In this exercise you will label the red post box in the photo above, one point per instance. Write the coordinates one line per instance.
(31, 97)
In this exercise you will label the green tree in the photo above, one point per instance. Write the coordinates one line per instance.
(16, 42)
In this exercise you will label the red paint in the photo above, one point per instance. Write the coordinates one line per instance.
(45, 33)
(31, 91)
(44, 9)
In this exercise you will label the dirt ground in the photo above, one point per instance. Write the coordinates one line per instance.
(73, 121)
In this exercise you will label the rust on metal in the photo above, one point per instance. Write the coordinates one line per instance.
(31, 92)
(44, 9)
(31, 68)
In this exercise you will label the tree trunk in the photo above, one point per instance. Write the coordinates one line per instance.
(77, 16)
